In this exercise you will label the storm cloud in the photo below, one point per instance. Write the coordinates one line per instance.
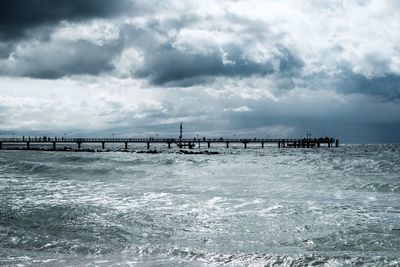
(168, 65)
(17, 17)
(38, 60)
(386, 86)
(252, 66)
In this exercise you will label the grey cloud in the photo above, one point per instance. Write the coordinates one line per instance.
(358, 120)
(5, 49)
(3, 114)
(386, 85)
(166, 65)
(19, 16)
(163, 63)
(57, 59)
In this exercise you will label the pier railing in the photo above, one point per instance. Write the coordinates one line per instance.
(163, 140)
(184, 142)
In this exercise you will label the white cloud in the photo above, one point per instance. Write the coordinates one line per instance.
(98, 32)
(239, 109)
(128, 62)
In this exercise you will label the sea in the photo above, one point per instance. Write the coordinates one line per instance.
(240, 207)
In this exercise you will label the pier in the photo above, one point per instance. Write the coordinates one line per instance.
(180, 142)
(190, 143)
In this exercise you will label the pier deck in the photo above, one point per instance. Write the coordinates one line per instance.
(184, 142)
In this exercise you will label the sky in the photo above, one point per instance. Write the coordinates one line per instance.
(254, 68)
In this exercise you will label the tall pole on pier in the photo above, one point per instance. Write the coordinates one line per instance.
(180, 132)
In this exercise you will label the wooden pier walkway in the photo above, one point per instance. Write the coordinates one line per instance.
(179, 142)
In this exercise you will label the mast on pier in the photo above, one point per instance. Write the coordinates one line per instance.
(180, 132)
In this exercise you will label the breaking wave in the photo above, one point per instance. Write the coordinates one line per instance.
(254, 207)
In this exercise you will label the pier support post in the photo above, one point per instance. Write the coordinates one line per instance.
(27, 146)
(318, 144)
(337, 143)
(262, 144)
(227, 144)
(126, 145)
(79, 145)
(245, 145)
(54, 146)
(279, 144)
(102, 145)
(148, 145)
(1, 145)
(169, 145)
(208, 144)
(329, 144)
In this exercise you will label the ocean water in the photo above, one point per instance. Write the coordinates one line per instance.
(253, 207)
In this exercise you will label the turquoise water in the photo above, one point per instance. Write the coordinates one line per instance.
(288, 207)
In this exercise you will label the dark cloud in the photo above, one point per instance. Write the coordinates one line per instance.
(5, 49)
(163, 63)
(63, 58)
(358, 121)
(87, 58)
(19, 16)
(386, 86)
(166, 65)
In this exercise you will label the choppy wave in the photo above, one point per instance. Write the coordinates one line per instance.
(283, 207)
(156, 256)
(381, 187)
